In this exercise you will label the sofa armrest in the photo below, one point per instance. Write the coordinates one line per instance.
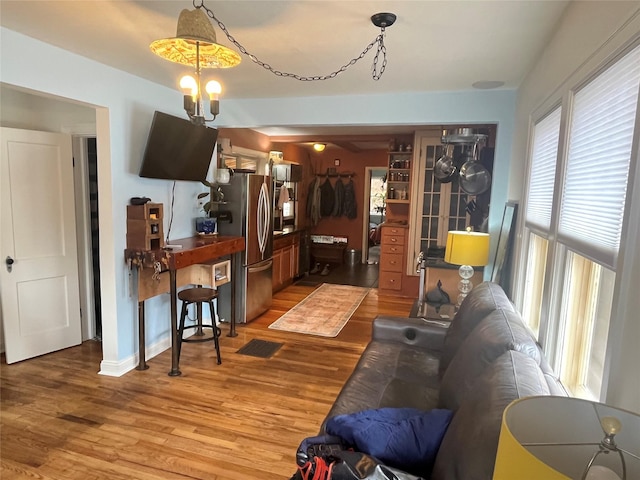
(417, 332)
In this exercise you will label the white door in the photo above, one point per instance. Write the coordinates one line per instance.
(40, 295)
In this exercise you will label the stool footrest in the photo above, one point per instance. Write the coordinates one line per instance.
(207, 339)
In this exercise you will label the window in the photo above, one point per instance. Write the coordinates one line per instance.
(546, 134)
(536, 267)
(586, 307)
(573, 226)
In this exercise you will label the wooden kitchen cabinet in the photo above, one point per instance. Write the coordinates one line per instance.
(286, 252)
(392, 258)
(295, 260)
(276, 275)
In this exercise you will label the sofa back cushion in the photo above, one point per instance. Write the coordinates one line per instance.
(483, 299)
(497, 333)
(468, 449)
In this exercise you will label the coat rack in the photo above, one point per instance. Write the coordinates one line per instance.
(336, 174)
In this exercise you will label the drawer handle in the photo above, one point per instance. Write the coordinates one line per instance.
(394, 240)
(392, 281)
(392, 262)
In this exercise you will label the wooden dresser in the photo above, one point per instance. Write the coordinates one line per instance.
(393, 248)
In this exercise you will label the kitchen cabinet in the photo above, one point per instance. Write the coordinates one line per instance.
(392, 258)
(286, 254)
(276, 274)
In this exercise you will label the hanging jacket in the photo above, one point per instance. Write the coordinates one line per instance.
(316, 203)
(338, 206)
(327, 199)
(313, 202)
(349, 209)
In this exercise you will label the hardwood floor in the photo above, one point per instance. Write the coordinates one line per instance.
(241, 420)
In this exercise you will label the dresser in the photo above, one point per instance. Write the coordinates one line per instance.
(393, 248)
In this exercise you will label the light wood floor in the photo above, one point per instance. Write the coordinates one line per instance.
(241, 420)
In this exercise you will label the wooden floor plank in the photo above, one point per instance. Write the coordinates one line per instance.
(60, 420)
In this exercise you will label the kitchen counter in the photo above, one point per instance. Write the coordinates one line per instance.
(287, 231)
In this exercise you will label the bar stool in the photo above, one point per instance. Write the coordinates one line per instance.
(198, 295)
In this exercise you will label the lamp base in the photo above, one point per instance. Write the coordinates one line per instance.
(464, 285)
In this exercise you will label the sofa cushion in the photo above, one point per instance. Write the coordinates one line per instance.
(469, 446)
(483, 299)
(405, 438)
(390, 374)
(497, 333)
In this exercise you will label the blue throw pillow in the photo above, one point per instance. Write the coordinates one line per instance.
(404, 438)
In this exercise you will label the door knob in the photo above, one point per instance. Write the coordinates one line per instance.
(9, 261)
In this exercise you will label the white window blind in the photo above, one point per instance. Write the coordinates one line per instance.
(601, 134)
(543, 171)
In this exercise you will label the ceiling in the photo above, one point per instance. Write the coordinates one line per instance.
(433, 46)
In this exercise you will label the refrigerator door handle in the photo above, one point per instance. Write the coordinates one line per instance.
(267, 215)
(259, 224)
(263, 218)
(262, 268)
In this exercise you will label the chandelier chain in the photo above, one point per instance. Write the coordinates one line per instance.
(376, 74)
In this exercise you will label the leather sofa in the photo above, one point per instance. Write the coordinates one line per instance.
(484, 360)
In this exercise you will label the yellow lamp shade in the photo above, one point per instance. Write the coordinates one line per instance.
(555, 438)
(467, 248)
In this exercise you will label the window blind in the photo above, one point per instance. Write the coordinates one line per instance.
(601, 135)
(543, 171)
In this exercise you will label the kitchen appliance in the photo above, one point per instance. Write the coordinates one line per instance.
(246, 212)
(285, 176)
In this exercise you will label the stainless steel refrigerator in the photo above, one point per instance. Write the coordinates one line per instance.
(247, 204)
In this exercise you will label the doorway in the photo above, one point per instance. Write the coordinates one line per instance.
(375, 200)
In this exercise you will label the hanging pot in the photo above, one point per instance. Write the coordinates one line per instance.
(445, 168)
(474, 178)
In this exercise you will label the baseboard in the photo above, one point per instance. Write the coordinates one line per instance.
(117, 369)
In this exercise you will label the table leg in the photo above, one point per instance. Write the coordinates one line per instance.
(232, 327)
(175, 370)
(142, 361)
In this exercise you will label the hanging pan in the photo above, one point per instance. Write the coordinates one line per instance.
(445, 168)
(475, 179)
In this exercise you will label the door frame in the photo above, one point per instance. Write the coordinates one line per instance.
(368, 175)
(83, 232)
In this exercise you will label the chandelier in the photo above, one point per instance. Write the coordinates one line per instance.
(195, 45)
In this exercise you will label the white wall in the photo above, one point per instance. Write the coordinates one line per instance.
(587, 36)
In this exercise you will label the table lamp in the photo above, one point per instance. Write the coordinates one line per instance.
(564, 438)
(467, 249)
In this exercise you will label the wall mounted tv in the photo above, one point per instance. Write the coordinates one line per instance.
(177, 150)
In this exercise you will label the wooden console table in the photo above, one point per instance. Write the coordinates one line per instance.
(193, 252)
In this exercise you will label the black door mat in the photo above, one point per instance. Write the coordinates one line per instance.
(260, 348)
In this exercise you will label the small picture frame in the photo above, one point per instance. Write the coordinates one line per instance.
(336, 162)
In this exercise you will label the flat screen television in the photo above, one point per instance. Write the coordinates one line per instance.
(178, 150)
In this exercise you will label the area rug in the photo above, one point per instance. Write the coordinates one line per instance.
(324, 312)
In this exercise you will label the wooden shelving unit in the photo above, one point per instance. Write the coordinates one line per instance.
(399, 177)
(144, 226)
